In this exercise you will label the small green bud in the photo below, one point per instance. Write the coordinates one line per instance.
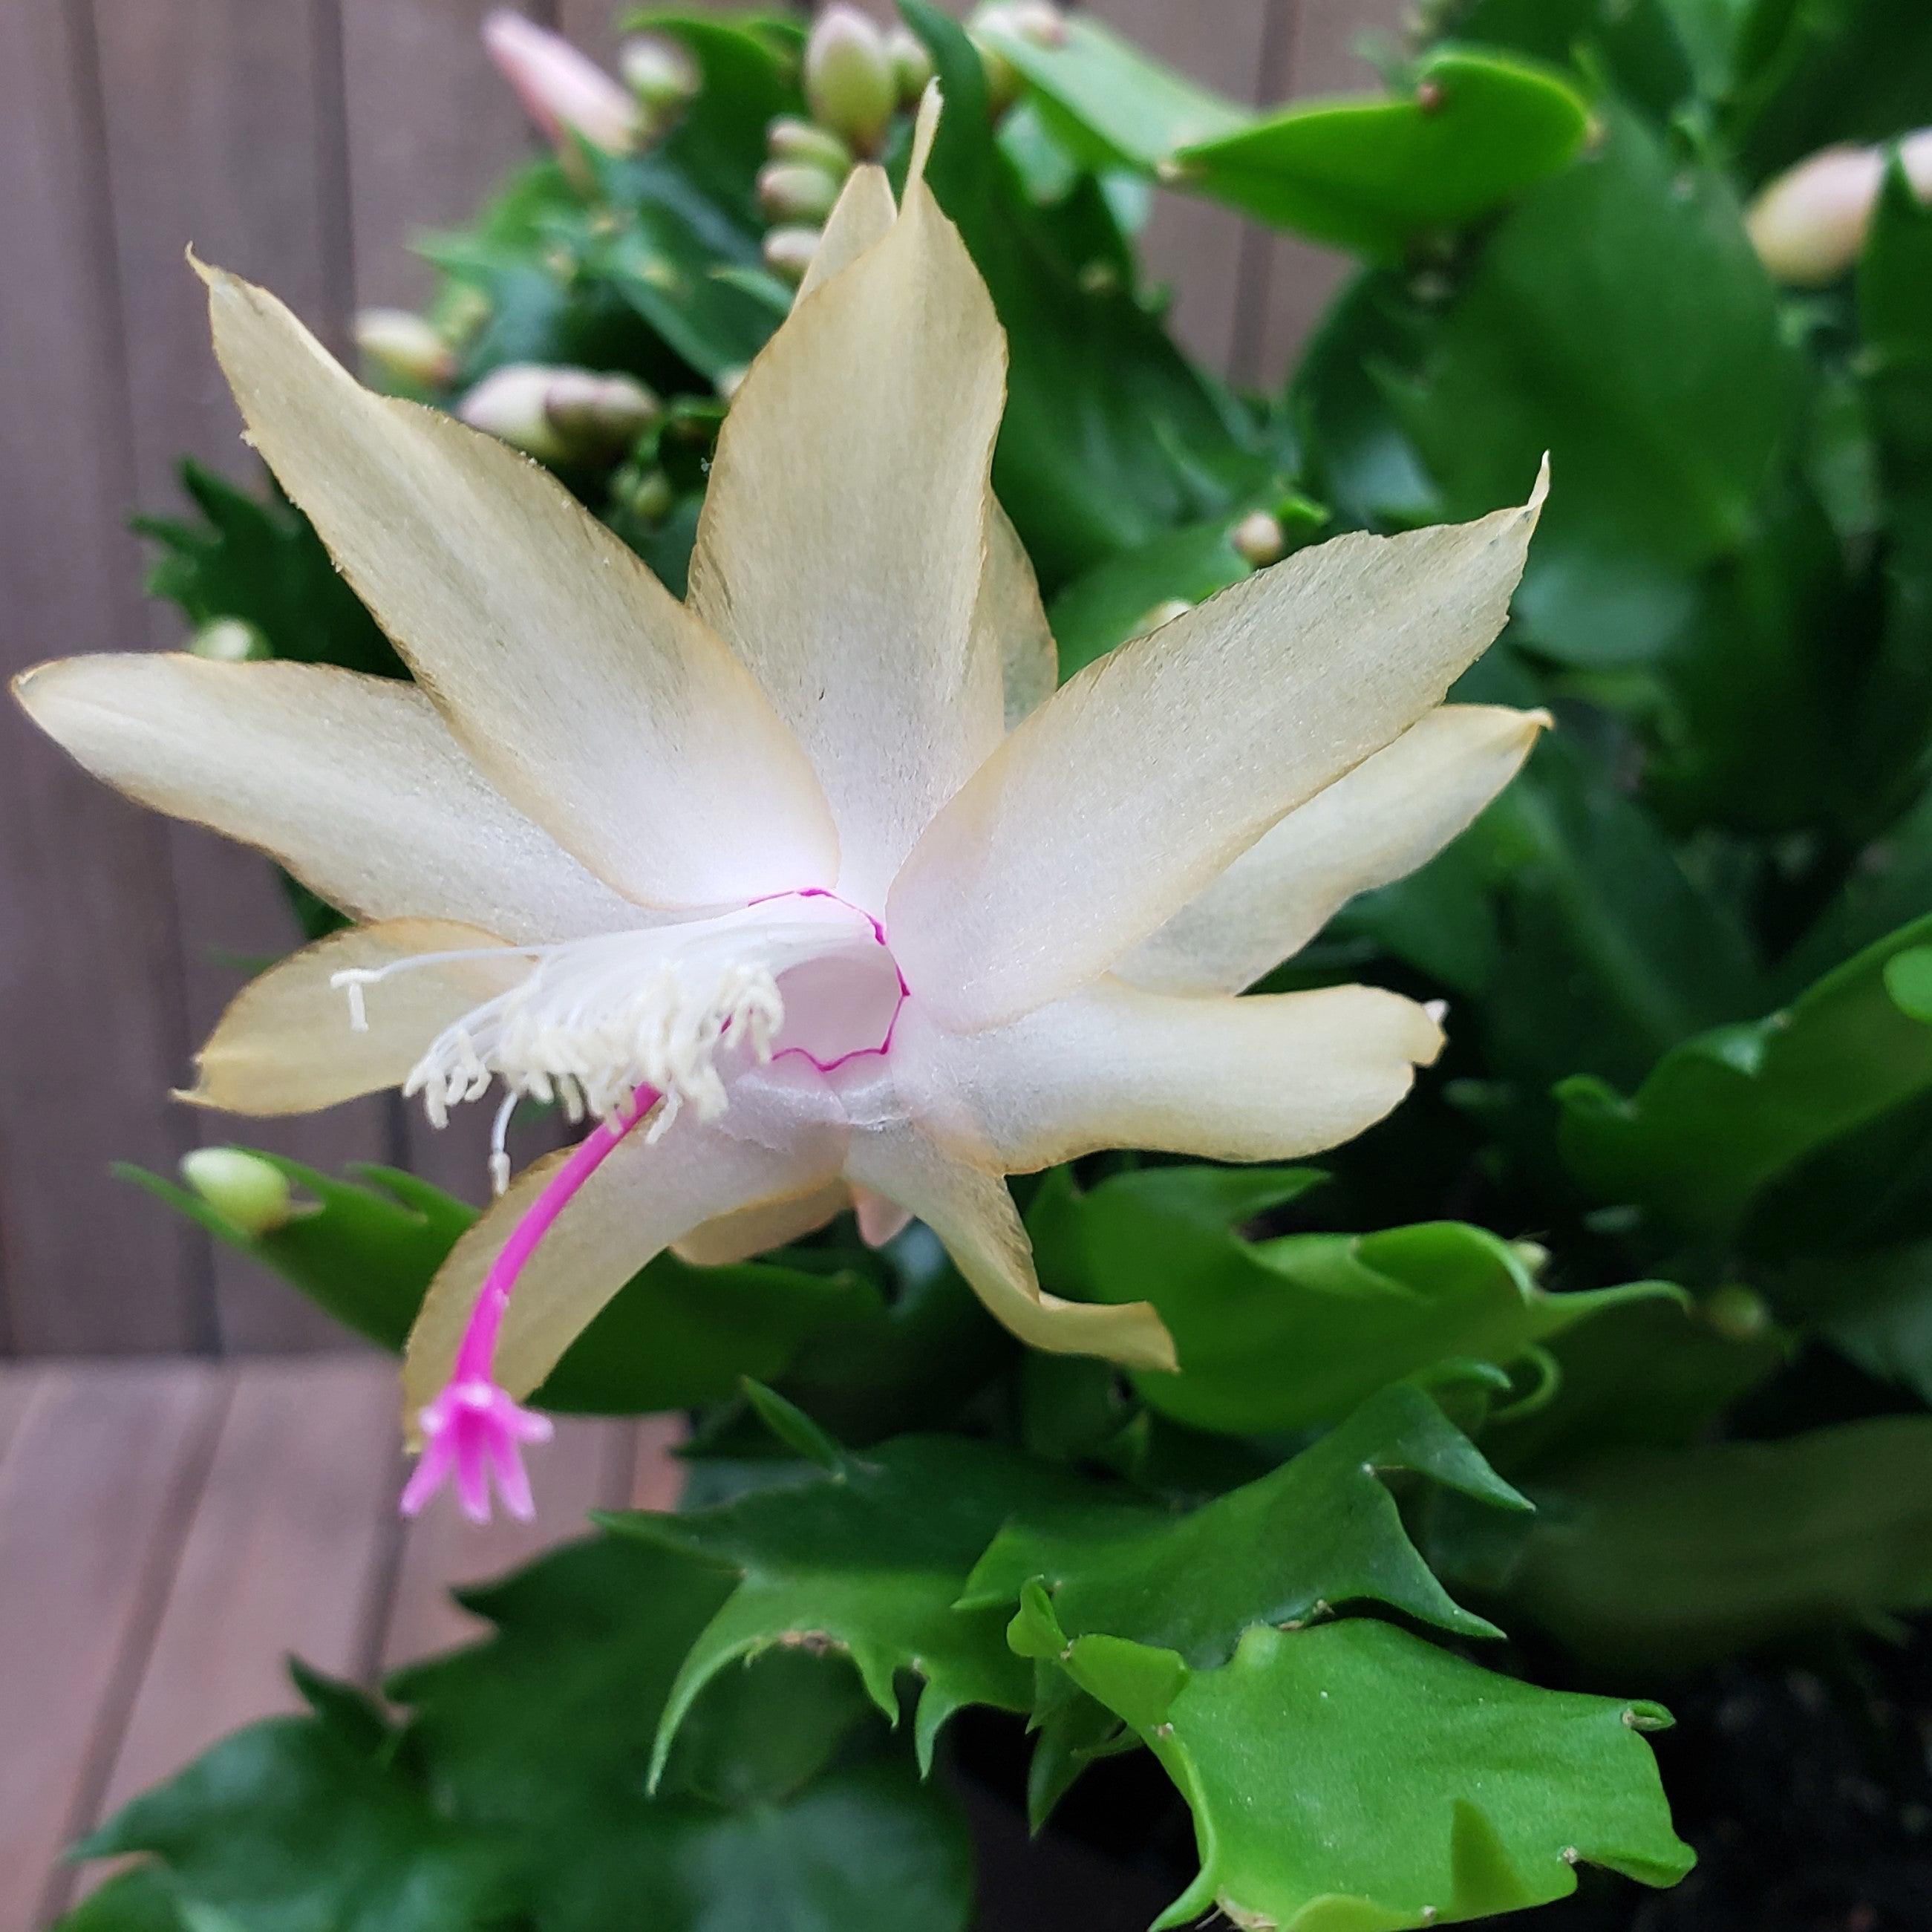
(912, 65)
(1736, 1312)
(788, 252)
(659, 72)
(229, 640)
(647, 495)
(1259, 538)
(402, 347)
(1163, 613)
(789, 139)
(241, 1187)
(848, 78)
(1533, 1255)
(795, 192)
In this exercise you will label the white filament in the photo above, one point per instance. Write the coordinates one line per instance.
(597, 1018)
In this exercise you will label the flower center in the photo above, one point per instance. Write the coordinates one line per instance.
(676, 1009)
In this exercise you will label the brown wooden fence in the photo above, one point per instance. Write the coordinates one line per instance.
(301, 142)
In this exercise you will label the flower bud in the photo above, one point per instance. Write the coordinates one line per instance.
(402, 347)
(659, 72)
(848, 78)
(241, 1187)
(1809, 225)
(1039, 21)
(559, 415)
(562, 90)
(1259, 539)
(647, 494)
(790, 191)
(788, 252)
(728, 381)
(912, 65)
(788, 139)
(1004, 82)
(1736, 1312)
(229, 640)
(598, 416)
(1163, 613)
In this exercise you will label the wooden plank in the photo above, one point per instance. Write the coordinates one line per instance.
(288, 1552)
(20, 1383)
(89, 967)
(432, 125)
(224, 127)
(1322, 55)
(1192, 245)
(589, 1465)
(95, 1490)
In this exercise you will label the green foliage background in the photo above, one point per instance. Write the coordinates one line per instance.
(1617, 1338)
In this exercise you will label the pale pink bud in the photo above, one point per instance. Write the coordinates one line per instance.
(559, 415)
(1039, 21)
(849, 78)
(1259, 539)
(229, 640)
(1809, 225)
(657, 71)
(788, 252)
(563, 92)
(402, 347)
(795, 191)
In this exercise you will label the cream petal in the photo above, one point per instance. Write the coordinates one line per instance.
(1143, 778)
(1010, 614)
(1271, 1077)
(841, 545)
(584, 691)
(1376, 824)
(861, 217)
(779, 1136)
(353, 783)
(286, 1044)
(968, 1208)
(764, 1225)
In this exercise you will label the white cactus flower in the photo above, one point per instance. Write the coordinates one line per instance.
(814, 877)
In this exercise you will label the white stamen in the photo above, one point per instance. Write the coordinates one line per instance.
(596, 1019)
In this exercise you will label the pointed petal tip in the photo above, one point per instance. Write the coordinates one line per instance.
(925, 132)
(1538, 496)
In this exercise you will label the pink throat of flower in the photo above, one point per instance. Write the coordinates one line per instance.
(473, 1433)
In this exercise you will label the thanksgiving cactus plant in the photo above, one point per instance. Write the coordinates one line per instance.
(788, 665)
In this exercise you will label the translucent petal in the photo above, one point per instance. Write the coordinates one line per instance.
(583, 691)
(841, 545)
(1272, 1077)
(353, 783)
(861, 217)
(778, 1135)
(286, 1046)
(763, 1225)
(968, 1208)
(1389, 815)
(1145, 776)
(1011, 614)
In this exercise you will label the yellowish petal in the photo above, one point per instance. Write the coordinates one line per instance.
(1142, 778)
(763, 1225)
(968, 1208)
(584, 691)
(1272, 1077)
(862, 218)
(776, 1138)
(1392, 813)
(353, 783)
(1010, 614)
(840, 548)
(285, 1044)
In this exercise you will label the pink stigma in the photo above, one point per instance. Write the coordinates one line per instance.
(472, 1431)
